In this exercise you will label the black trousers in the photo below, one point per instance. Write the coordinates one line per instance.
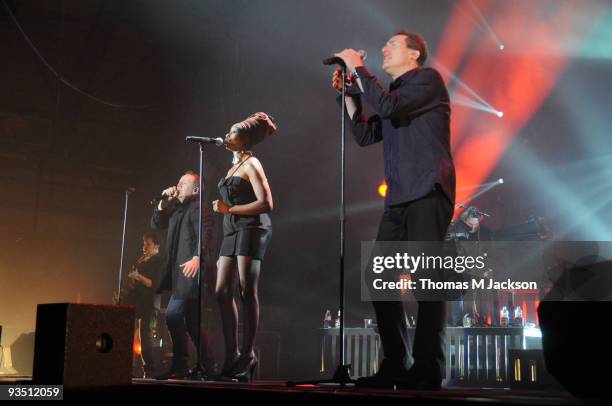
(182, 322)
(425, 219)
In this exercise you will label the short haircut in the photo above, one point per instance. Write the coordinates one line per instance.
(415, 40)
(196, 177)
(153, 237)
(470, 212)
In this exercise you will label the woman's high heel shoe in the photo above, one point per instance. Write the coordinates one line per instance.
(246, 370)
(229, 367)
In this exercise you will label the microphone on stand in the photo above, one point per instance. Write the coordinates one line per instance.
(334, 60)
(476, 211)
(206, 140)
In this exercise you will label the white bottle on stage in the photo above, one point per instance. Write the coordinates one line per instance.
(327, 320)
(518, 316)
(504, 315)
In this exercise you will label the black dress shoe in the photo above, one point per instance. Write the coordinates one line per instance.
(174, 374)
(375, 381)
(418, 378)
(199, 374)
(386, 377)
(419, 384)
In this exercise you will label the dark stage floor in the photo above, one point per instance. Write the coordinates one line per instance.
(276, 390)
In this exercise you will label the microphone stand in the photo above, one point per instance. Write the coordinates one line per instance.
(342, 373)
(198, 372)
(128, 191)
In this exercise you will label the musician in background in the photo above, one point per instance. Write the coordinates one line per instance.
(139, 291)
(469, 228)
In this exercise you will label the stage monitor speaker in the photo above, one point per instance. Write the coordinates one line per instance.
(577, 347)
(83, 345)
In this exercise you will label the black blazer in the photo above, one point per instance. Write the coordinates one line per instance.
(181, 220)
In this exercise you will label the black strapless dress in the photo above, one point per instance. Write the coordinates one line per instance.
(247, 236)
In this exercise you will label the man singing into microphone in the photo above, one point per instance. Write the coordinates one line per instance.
(179, 213)
(413, 121)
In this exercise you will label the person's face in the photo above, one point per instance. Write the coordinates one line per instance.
(234, 141)
(473, 223)
(187, 186)
(149, 247)
(397, 57)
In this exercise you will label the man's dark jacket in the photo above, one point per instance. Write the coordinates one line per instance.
(181, 220)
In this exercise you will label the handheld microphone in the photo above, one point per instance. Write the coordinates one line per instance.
(159, 198)
(206, 140)
(334, 60)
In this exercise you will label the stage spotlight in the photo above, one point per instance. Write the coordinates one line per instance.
(500, 181)
(500, 114)
(382, 189)
(501, 47)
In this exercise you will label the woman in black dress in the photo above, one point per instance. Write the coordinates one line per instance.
(246, 200)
